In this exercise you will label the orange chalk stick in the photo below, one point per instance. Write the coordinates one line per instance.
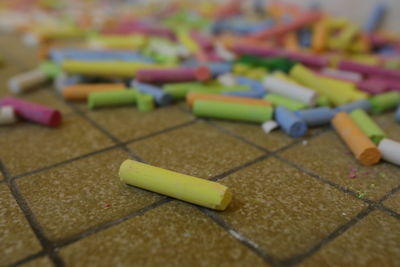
(320, 37)
(300, 22)
(193, 96)
(362, 147)
(82, 91)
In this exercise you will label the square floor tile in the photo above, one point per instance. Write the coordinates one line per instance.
(254, 133)
(198, 149)
(328, 156)
(175, 234)
(283, 210)
(393, 202)
(39, 262)
(128, 123)
(17, 238)
(25, 147)
(76, 196)
(373, 241)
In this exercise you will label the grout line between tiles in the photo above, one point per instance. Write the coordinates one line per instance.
(239, 236)
(28, 259)
(332, 236)
(35, 226)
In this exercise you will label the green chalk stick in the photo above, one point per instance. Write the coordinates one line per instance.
(323, 101)
(179, 90)
(232, 111)
(112, 98)
(275, 63)
(145, 102)
(279, 100)
(218, 89)
(384, 101)
(367, 125)
(51, 69)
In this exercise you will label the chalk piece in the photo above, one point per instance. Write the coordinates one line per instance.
(26, 81)
(362, 147)
(296, 92)
(172, 75)
(33, 112)
(316, 116)
(145, 102)
(254, 84)
(179, 90)
(232, 111)
(249, 93)
(63, 80)
(227, 79)
(398, 114)
(269, 126)
(385, 101)
(375, 17)
(7, 115)
(360, 104)
(290, 123)
(82, 91)
(193, 96)
(161, 97)
(390, 150)
(111, 98)
(184, 187)
(280, 100)
(367, 125)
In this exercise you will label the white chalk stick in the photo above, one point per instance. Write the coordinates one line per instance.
(390, 150)
(7, 115)
(269, 126)
(294, 91)
(25, 81)
(227, 79)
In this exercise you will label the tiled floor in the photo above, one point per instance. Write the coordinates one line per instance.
(294, 204)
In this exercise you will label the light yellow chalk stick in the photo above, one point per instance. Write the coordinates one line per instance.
(184, 187)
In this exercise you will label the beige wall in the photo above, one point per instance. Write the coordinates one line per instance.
(357, 10)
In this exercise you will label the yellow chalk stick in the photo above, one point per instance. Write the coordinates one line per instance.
(184, 187)
(115, 41)
(345, 37)
(185, 39)
(106, 68)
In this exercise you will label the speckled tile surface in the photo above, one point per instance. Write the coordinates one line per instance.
(129, 123)
(17, 237)
(283, 209)
(36, 146)
(82, 194)
(66, 181)
(328, 156)
(198, 149)
(374, 241)
(168, 232)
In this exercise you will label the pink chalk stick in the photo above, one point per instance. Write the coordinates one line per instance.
(263, 51)
(172, 75)
(368, 70)
(202, 40)
(33, 112)
(277, 31)
(372, 86)
(391, 84)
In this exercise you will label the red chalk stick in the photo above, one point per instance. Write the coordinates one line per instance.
(300, 22)
(172, 75)
(33, 112)
(368, 70)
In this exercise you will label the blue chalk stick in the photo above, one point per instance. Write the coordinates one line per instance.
(254, 85)
(290, 123)
(161, 97)
(249, 93)
(316, 116)
(398, 114)
(375, 17)
(305, 37)
(62, 80)
(362, 104)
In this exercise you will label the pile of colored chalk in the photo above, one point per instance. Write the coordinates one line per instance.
(274, 64)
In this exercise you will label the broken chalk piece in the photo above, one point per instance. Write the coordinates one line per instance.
(359, 104)
(161, 97)
(390, 150)
(361, 146)
(26, 81)
(269, 126)
(7, 115)
(180, 186)
(33, 112)
(145, 102)
(316, 116)
(367, 125)
(290, 123)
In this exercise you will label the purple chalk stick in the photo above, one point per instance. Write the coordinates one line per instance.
(33, 112)
(172, 75)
